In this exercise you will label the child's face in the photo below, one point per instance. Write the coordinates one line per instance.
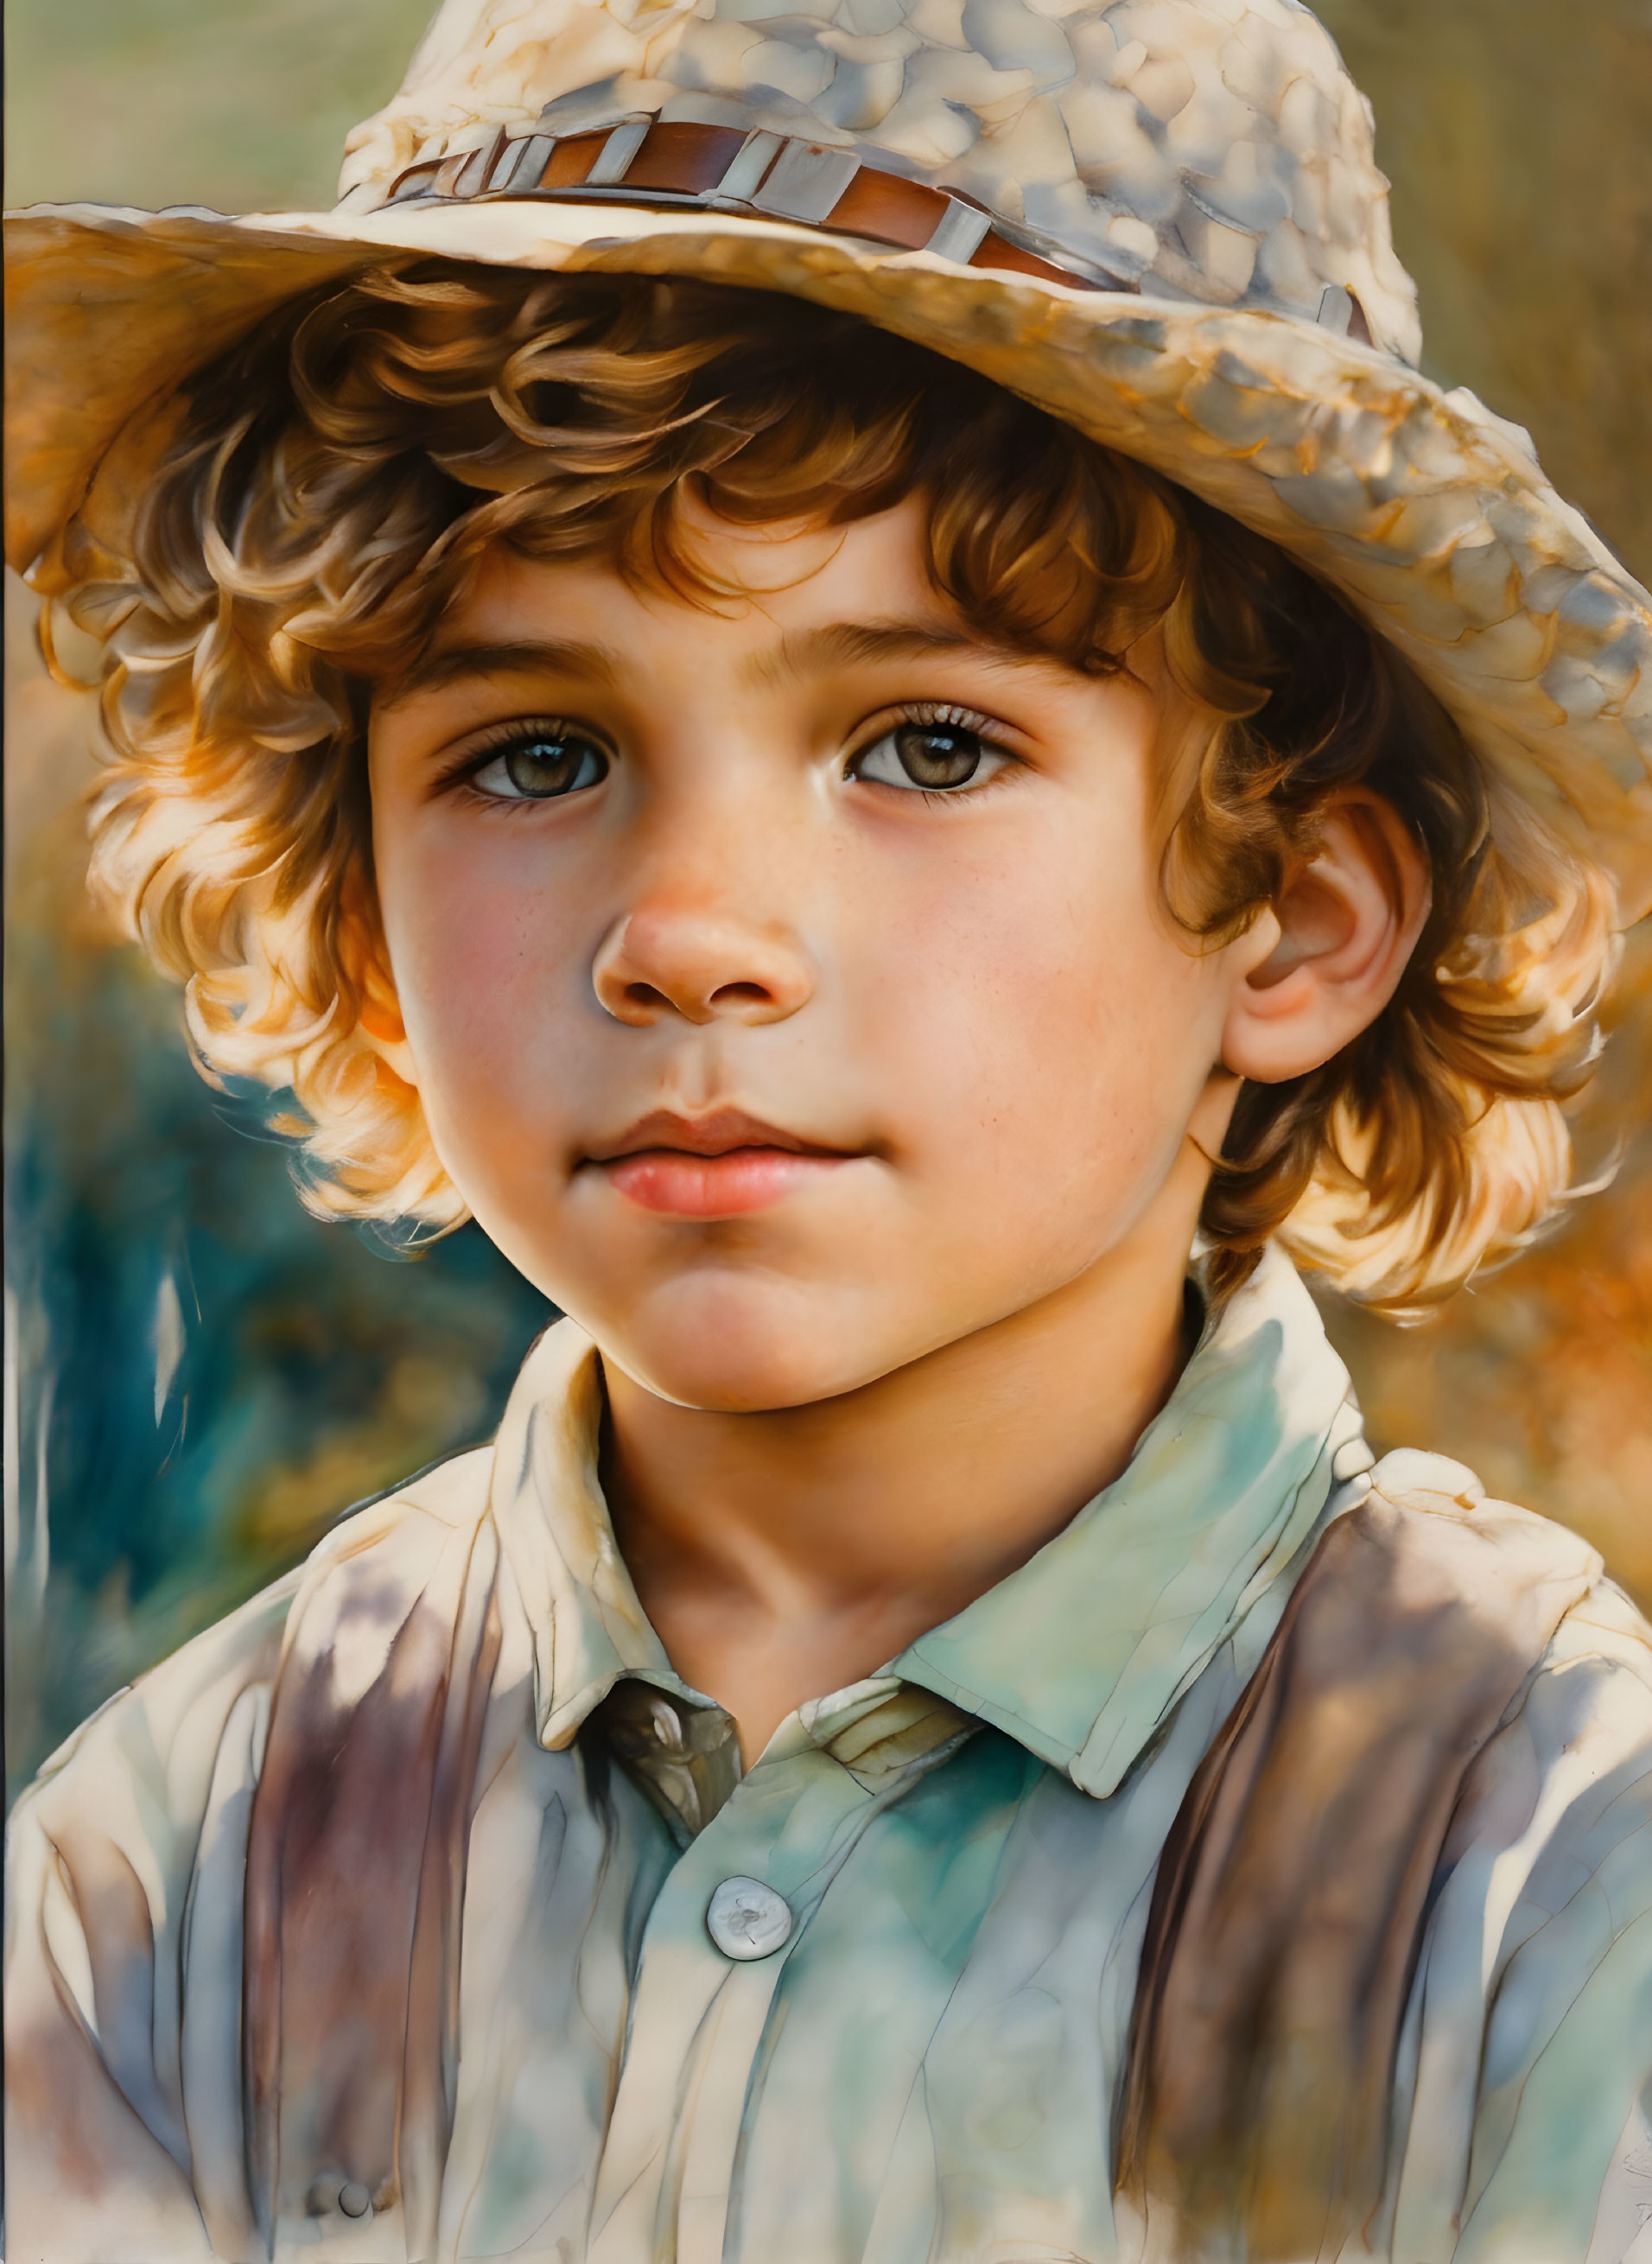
(825, 862)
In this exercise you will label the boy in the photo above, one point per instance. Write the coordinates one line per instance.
(720, 671)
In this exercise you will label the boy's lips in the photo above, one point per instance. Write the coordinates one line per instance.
(713, 1166)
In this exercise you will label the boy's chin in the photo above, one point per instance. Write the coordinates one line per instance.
(743, 1349)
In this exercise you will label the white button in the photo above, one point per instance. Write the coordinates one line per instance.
(355, 2200)
(747, 1919)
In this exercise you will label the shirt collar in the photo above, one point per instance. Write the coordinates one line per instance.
(1080, 1653)
(588, 1627)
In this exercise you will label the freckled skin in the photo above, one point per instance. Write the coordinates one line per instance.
(877, 1382)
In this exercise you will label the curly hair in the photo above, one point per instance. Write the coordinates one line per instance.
(336, 481)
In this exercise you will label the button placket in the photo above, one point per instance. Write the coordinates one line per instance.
(698, 2016)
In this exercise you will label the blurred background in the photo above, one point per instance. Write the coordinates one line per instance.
(199, 1377)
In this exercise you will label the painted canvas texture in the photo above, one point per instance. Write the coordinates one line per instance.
(960, 1970)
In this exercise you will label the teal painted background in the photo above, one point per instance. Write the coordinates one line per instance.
(199, 1377)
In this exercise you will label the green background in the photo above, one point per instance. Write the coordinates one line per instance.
(199, 1377)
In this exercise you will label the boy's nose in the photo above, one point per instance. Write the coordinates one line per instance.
(705, 966)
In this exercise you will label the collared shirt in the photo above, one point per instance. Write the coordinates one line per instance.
(869, 2002)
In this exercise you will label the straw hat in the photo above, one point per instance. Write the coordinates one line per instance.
(1160, 219)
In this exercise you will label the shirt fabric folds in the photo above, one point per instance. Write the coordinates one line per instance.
(929, 2068)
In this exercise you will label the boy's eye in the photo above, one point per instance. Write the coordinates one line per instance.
(930, 756)
(539, 765)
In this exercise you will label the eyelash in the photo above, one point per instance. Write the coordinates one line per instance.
(499, 737)
(930, 713)
(495, 741)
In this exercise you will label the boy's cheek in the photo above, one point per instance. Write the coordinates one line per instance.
(479, 970)
(1056, 1021)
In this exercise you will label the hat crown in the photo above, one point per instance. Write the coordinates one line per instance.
(1207, 150)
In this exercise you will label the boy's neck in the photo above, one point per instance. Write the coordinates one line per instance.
(783, 1554)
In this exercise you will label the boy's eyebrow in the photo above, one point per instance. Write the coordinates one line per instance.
(802, 654)
(458, 664)
(811, 652)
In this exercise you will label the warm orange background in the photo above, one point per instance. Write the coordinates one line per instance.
(1517, 136)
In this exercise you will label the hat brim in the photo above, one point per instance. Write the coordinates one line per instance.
(1428, 513)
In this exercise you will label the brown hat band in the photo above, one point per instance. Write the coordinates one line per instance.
(722, 168)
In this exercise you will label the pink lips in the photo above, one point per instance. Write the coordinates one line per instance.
(717, 1166)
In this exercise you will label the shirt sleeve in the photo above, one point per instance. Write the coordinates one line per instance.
(1526, 2075)
(122, 1911)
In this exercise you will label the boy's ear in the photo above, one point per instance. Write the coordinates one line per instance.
(1328, 955)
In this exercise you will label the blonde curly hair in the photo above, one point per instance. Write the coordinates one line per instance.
(337, 479)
